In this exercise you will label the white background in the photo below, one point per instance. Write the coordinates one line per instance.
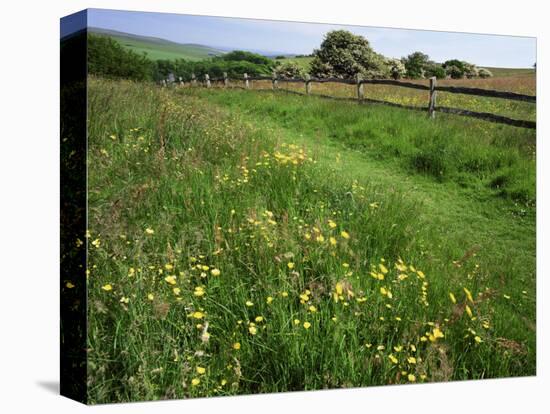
(29, 206)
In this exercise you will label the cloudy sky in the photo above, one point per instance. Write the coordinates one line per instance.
(302, 38)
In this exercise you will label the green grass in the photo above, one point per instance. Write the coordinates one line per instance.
(159, 49)
(220, 189)
(504, 72)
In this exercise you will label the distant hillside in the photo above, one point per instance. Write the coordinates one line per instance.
(157, 48)
(502, 72)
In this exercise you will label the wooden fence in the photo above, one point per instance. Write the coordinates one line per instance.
(431, 108)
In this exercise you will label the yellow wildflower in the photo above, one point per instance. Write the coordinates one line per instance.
(69, 285)
(197, 315)
(468, 295)
(435, 335)
(149, 230)
(215, 272)
(307, 325)
(170, 280)
(290, 265)
(195, 382)
(269, 300)
(201, 370)
(249, 303)
(236, 346)
(344, 234)
(108, 287)
(453, 299)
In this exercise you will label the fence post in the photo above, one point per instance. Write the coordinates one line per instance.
(431, 106)
(207, 80)
(225, 80)
(193, 80)
(308, 83)
(360, 90)
(274, 81)
(246, 83)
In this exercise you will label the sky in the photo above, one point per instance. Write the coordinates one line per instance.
(301, 38)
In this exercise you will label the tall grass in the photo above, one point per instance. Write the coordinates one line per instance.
(468, 152)
(225, 259)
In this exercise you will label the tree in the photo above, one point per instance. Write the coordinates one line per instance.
(108, 58)
(454, 68)
(415, 64)
(240, 55)
(435, 69)
(396, 68)
(454, 72)
(345, 55)
(289, 70)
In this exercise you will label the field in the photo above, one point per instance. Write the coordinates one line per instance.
(329, 245)
(160, 48)
(406, 96)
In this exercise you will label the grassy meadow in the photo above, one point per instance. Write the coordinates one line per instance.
(248, 242)
(159, 48)
(414, 97)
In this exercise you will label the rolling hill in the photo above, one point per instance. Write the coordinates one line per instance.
(157, 48)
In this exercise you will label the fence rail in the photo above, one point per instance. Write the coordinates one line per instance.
(432, 107)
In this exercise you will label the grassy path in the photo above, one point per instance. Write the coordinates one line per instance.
(457, 223)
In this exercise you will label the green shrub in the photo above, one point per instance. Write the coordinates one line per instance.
(240, 55)
(435, 70)
(396, 68)
(108, 58)
(415, 64)
(484, 73)
(289, 70)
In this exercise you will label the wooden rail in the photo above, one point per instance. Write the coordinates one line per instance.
(432, 107)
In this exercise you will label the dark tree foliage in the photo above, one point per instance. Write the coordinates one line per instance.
(415, 64)
(108, 58)
(240, 55)
(435, 69)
